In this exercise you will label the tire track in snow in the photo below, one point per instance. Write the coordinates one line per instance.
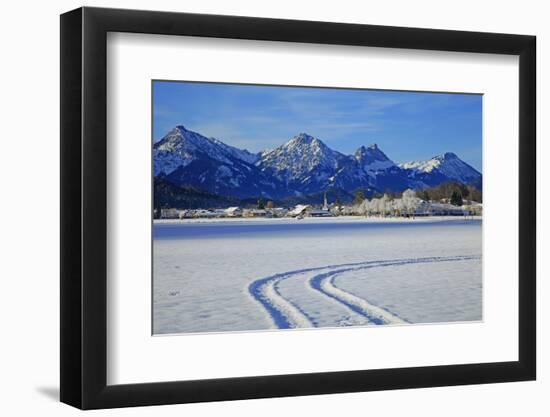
(324, 283)
(282, 312)
(287, 315)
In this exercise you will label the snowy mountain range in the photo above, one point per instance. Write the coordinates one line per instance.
(302, 166)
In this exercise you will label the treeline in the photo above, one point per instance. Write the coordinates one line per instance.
(168, 195)
(454, 192)
(450, 191)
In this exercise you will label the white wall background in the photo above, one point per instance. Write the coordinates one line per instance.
(29, 225)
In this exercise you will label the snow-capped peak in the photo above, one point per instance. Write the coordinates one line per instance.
(448, 164)
(302, 144)
(304, 140)
(181, 146)
(298, 157)
(303, 137)
(371, 158)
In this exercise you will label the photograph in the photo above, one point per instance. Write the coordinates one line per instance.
(287, 207)
(269, 209)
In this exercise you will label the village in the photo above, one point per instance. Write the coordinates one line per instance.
(408, 206)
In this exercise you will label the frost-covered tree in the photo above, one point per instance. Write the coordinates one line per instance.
(364, 208)
(410, 201)
(374, 206)
(349, 210)
(398, 206)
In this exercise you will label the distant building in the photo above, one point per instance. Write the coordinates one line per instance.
(299, 210)
(256, 213)
(322, 212)
(422, 209)
(278, 211)
(474, 208)
(439, 209)
(319, 213)
(169, 213)
(186, 214)
(205, 213)
(233, 212)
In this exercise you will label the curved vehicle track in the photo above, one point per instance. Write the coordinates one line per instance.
(320, 282)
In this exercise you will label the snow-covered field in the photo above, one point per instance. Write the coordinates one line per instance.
(238, 275)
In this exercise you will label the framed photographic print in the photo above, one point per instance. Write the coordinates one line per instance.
(257, 208)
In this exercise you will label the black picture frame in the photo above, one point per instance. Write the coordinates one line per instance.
(84, 207)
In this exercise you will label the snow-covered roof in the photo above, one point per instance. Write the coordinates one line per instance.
(299, 209)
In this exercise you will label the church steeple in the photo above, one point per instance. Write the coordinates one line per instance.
(325, 205)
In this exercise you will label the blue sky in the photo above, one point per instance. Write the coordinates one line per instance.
(405, 125)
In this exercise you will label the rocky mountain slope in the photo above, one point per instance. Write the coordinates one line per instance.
(300, 167)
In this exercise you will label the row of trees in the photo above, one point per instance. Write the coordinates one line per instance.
(384, 205)
(407, 203)
(452, 191)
